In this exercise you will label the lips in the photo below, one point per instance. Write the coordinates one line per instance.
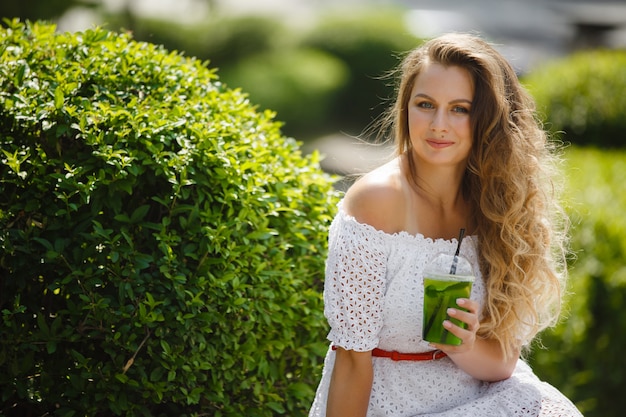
(439, 143)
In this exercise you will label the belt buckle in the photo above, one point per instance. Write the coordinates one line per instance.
(395, 355)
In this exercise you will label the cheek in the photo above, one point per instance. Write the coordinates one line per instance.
(417, 119)
(463, 126)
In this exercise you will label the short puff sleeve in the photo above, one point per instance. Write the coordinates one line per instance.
(354, 285)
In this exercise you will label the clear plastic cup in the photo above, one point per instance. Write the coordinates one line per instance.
(446, 278)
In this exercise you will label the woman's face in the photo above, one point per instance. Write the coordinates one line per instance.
(439, 115)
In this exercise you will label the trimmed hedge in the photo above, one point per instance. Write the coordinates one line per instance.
(583, 96)
(585, 352)
(162, 244)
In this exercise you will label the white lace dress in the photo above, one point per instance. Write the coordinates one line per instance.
(373, 298)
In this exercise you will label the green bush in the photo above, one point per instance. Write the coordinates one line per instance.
(370, 43)
(161, 243)
(585, 352)
(582, 96)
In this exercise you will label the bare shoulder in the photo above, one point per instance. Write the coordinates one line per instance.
(378, 198)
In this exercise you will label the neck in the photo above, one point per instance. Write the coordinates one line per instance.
(439, 186)
(437, 197)
(446, 205)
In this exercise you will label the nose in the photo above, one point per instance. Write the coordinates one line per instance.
(439, 122)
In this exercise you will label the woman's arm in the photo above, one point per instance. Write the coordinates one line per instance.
(485, 361)
(350, 384)
(481, 358)
(355, 286)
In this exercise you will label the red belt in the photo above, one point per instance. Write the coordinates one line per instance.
(397, 356)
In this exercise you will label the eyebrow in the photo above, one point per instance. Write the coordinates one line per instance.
(458, 100)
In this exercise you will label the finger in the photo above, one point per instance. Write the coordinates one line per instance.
(467, 339)
(469, 305)
(470, 319)
(458, 331)
(444, 348)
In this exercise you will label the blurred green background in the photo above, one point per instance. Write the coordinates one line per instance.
(322, 68)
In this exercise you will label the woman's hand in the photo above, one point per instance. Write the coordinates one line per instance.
(467, 336)
(479, 357)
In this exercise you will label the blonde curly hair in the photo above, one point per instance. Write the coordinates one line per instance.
(510, 183)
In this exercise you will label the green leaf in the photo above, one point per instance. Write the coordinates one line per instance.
(43, 326)
(59, 98)
(277, 407)
(19, 75)
(165, 346)
(139, 213)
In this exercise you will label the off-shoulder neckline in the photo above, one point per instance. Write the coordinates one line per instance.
(401, 234)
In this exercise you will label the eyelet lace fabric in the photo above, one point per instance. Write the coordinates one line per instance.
(373, 297)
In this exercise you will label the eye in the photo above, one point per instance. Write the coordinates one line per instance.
(460, 109)
(425, 105)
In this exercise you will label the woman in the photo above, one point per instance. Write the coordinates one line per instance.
(470, 154)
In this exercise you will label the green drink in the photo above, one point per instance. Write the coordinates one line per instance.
(441, 290)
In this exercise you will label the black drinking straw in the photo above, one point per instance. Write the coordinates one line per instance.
(455, 260)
